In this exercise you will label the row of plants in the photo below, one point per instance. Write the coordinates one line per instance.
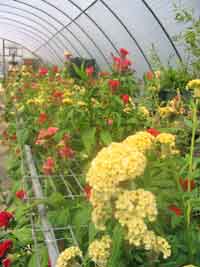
(133, 147)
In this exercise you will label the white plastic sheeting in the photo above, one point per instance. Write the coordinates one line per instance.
(94, 28)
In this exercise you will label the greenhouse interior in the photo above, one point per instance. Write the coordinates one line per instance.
(99, 133)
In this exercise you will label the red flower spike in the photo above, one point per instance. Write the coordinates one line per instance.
(150, 75)
(21, 194)
(66, 152)
(114, 85)
(6, 262)
(125, 98)
(88, 191)
(185, 184)
(110, 122)
(55, 69)
(176, 210)
(49, 263)
(48, 166)
(42, 118)
(43, 71)
(4, 247)
(5, 218)
(153, 132)
(123, 52)
(89, 71)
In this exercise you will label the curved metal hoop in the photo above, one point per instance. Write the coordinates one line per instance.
(24, 31)
(33, 31)
(163, 28)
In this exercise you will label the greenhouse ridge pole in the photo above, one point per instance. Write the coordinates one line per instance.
(163, 28)
(48, 232)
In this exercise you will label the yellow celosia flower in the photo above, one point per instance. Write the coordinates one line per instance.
(133, 208)
(157, 74)
(127, 109)
(167, 142)
(142, 141)
(67, 100)
(166, 111)
(68, 256)
(194, 85)
(81, 103)
(115, 164)
(144, 111)
(100, 250)
(190, 265)
(166, 138)
(138, 203)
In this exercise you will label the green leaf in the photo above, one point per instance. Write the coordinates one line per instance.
(105, 137)
(188, 123)
(88, 138)
(117, 243)
(24, 235)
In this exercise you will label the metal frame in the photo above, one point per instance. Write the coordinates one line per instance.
(74, 20)
(28, 33)
(163, 28)
(46, 22)
(34, 31)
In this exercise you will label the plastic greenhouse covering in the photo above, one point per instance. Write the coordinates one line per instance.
(94, 29)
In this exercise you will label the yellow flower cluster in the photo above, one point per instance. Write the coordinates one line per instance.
(190, 265)
(165, 138)
(36, 101)
(194, 85)
(133, 209)
(144, 111)
(166, 111)
(138, 203)
(99, 250)
(117, 163)
(167, 142)
(142, 141)
(68, 256)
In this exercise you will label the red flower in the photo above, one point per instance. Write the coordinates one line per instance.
(49, 263)
(89, 71)
(123, 52)
(43, 71)
(4, 247)
(185, 184)
(55, 69)
(6, 262)
(125, 98)
(5, 218)
(42, 118)
(57, 95)
(149, 75)
(66, 152)
(48, 166)
(21, 194)
(153, 131)
(52, 131)
(88, 191)
(110, 122)
(14, 137)
(46, 133)
(114, 85)
(125, 64)
(176, 210)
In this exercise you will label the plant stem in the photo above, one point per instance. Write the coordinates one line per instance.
(194, 128)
